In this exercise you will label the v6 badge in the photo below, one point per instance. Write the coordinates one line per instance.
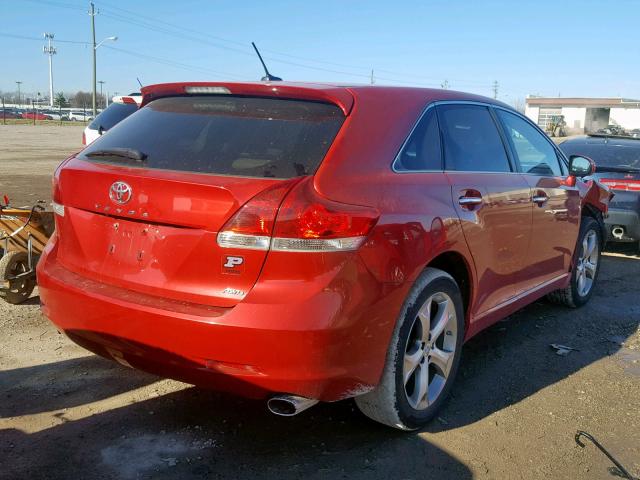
(232, 265)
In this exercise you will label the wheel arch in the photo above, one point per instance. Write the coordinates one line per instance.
(455, 264)
(589, 210)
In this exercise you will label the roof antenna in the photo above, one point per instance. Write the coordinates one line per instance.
(268, 77)
(141, 86)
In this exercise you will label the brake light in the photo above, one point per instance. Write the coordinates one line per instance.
(309, 222)
(56, 205)
(305, 222)
(84, 138)
(622, 184)
(203, 89)
(252, 225)
(128, 100)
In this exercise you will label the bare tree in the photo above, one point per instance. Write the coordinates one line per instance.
(518, 104)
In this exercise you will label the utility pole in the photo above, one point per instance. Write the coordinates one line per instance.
(92, 13)
(51, 51)
(495, 89)
(101, 82)
(19, 83)
(373, 81)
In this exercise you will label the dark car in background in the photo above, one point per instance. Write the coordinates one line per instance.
(9, 114)
(617, 166)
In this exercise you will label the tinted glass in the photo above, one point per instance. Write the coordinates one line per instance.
(610, 154)
(255, 137)
(471, 140)
(422, 150)
(535, 154)
(114, 113)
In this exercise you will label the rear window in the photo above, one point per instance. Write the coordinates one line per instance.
(115, 113)
(610, 154)
(225, 135)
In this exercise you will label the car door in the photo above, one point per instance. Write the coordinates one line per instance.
(556, 204)
(492, 201)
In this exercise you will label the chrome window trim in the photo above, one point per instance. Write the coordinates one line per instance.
(563, 161)
(406, 141)
(563, 168)
(498, 127)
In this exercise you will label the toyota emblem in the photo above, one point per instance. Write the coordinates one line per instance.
(120, 192)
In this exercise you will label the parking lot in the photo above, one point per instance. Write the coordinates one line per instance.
(514, 411)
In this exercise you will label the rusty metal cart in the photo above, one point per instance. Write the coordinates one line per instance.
(23, 234)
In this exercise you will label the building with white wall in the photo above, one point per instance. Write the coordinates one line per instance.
(583, 115)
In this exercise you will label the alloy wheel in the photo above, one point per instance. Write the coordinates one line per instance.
(430, 350)
(587, 263)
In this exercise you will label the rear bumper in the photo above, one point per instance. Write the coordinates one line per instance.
(329, 344)
(628, 219)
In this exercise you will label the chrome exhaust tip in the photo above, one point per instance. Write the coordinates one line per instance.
(289, 405)
(617, 232)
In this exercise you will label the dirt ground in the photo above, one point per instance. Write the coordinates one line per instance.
(513, 414)
(28, 157)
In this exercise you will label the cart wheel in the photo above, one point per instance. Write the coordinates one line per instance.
(12, 264)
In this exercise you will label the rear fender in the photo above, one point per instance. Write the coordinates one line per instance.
(595, 198)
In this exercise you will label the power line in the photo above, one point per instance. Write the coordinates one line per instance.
(39, 39)
(172, 63)
(363, 69)
(144, 21)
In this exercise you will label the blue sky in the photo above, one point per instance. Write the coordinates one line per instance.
(572, 48)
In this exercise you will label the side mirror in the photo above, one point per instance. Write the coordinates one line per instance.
(100, 130)
(580, 166)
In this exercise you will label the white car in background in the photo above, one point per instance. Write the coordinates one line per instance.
(79, 116)
(120, 108)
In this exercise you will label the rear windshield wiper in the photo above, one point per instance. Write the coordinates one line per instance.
(130, 153)
(621, 169)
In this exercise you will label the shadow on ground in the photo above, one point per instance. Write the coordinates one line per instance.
(197, 434)
(513, 359)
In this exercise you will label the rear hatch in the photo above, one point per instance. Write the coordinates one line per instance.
(144, 203)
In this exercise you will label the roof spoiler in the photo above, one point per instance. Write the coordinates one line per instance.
(339, 96)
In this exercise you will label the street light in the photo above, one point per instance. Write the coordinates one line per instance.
(95, 47)
(18, 83)
(101, 82)
(113, 39)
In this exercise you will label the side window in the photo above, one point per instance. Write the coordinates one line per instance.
(535, 153)
(422, 150)
(471, 140)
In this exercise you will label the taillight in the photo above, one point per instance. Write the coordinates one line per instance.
(305, 222)
(57, 206)
(252, 225)
(308, 222)
(622, 184)
(84, 138)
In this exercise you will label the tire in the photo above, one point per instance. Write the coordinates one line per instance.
(397, 403)
(577, 293)
(11, 264)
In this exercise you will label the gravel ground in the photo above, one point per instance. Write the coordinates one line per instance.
(29, 156)
(515, 408)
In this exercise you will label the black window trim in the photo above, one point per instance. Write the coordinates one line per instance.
(507, 150)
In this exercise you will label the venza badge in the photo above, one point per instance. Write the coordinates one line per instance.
(120, 192)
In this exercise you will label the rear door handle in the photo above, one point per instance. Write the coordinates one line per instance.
(469, 201)
(539, 199)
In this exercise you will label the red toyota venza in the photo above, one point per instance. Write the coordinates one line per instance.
(305, 242)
